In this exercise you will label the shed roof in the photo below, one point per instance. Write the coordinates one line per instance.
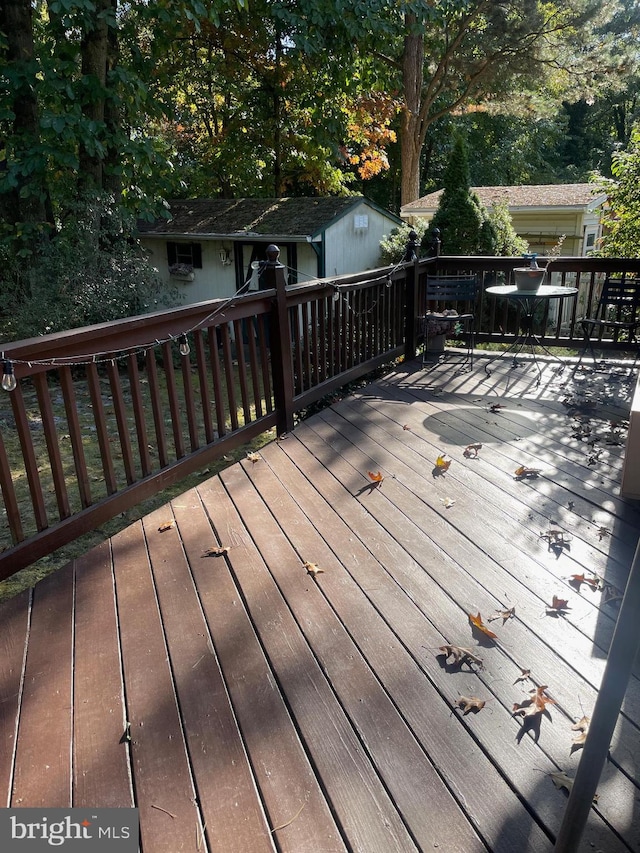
(524, 196)
(301, 217)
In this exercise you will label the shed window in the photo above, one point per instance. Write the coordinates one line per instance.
(185, 253)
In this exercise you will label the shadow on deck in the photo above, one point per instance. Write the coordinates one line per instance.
(259, 665)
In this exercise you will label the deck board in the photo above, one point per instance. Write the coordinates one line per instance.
(244, 704)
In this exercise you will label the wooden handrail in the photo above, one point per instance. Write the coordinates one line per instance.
(151, 416)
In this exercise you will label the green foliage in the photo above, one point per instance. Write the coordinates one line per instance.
(462, 219)
(393, 246)
(506, 240)
(622, 214)
(92, 272)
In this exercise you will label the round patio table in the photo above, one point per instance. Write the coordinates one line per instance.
(528, 300)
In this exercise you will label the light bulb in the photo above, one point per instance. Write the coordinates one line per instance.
(8, 378)
(185, 349)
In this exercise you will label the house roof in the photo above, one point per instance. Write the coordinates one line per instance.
(523, 196)
(265, 217)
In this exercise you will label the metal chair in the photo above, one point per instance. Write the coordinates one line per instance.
(443, 296)
(617, 311)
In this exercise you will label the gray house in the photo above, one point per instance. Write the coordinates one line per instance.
(209, 245)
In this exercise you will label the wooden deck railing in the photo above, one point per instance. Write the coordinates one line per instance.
(127, 396)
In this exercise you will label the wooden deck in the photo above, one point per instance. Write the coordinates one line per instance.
(245, 704)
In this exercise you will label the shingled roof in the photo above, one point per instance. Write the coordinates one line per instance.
(523, 196)
(302, 217)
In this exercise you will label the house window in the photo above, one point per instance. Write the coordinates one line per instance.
(361, 220)
(189, 254)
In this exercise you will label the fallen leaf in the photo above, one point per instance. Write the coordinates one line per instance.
(594, 582)
(406, 426)
(471, 450)
(166, 525)
(524, 675)
(443, 462)
(602, 532)
(253, 457)
(461, 656)
(503, 614)
(523, 473)
(478, 624)
(448, 502)
(377, 478)
(537, 704)
(557, 540)
(582, 727)
(495, 407)
(557, 606)
(217, 552)
(313, 569)
(470, 703)
(561, 780)
(610, 593)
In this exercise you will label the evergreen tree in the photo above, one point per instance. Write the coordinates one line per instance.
(462, 219)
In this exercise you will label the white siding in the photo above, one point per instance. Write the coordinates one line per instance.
(352, 249)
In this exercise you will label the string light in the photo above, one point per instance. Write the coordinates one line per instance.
(9, 380)
(8, 377)
(185, 349)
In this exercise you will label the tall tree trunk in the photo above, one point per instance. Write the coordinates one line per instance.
(17, 206)
(411, 124)
(112, 180)
(94, 50)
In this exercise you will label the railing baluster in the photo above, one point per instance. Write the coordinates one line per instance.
(9, 496)
(115, 383)
(137, 407)
(205, 396)
(189, 401)
(53, 444)
(238, 330)
(174, 403)
(75, 436)
(156, 407)
(29, 457)
(217, 379)
(227, 356)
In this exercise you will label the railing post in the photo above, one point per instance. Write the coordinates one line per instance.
(623, 651)
(410, 325)
(280, 342)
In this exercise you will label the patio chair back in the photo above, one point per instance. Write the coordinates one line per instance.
(617, 314)
(447, 292)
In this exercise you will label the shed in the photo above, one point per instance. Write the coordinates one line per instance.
(210, 244)
(541, 214)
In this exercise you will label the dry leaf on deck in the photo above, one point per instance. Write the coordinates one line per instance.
(582, 727)
(495, 407)
(461, 656)
(448, 502)
(594, 582)
(217, 552)
(503, 614)
(523, 473)
(313, 568)
(536, 705)
(376, 477)
(443, 462)
(561, 780)
(471, 450)
(478, 625)
(166, 525)
(253, 457)
(610, 593)
(406, 426)
(558, 606)
(470, 703)
(524, 675)
(602, 532)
